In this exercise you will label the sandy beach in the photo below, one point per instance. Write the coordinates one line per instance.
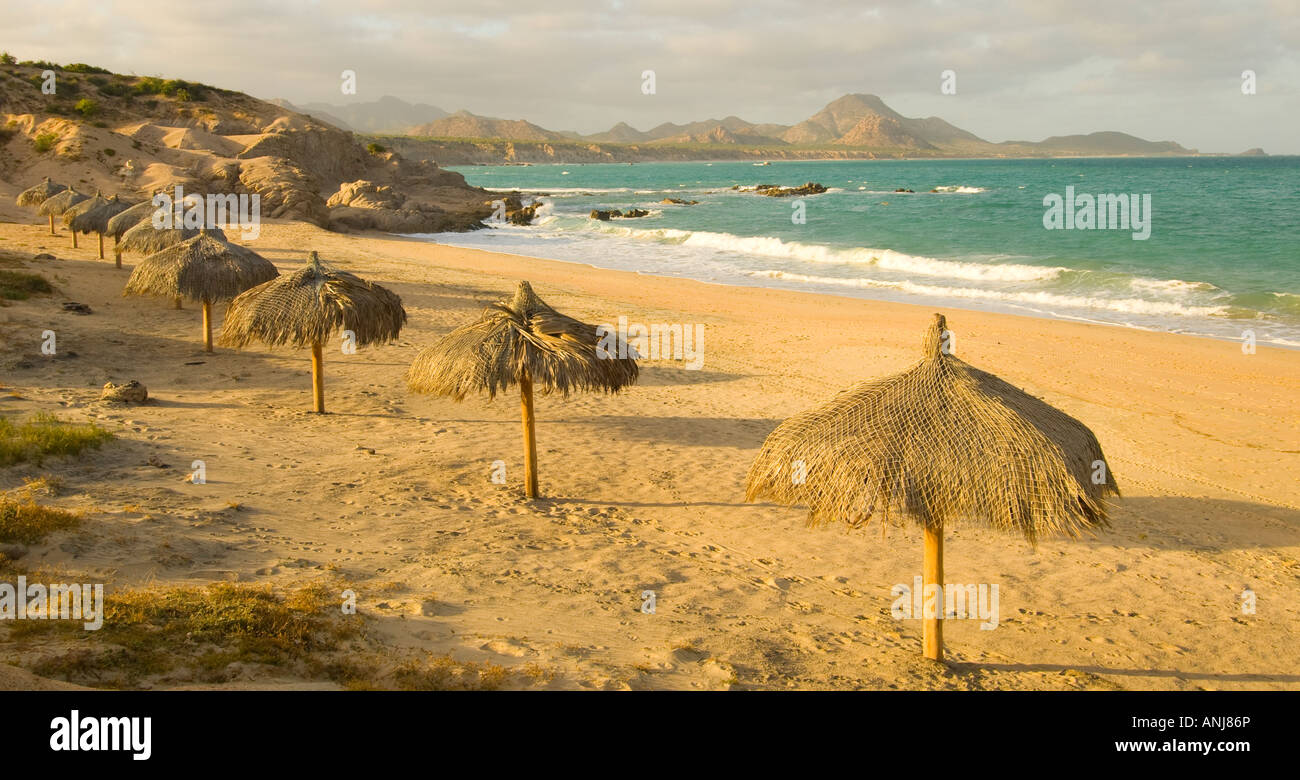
(644, 490)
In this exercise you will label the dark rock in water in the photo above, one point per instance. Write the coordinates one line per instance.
(679, 202)
(76, 308)
(130, 393)
(773, 191)
(519, 214)
(606, 215)
(900, 189)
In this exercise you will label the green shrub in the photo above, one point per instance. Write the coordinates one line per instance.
(114, 89)
(45, 142)
(86, 107)
(375, 148)
(24, 521)
(110, 152)
(81, 67)
(148, 86)
(19, 285)
(7, 59)
(44, 435)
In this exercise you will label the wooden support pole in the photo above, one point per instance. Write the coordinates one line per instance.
(52, 225)
(74, 239)
(207, 326)
(932, 574)
(530, 435)
(101, 246)
(318, 377)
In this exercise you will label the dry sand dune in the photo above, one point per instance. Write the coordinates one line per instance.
(644, 490)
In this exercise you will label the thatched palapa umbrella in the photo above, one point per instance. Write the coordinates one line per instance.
(35, 196)
(204, 269)
(519, 342)
(307, 307)
(940, 442)
(92, 217)
(81, 207)
(56, 204)
(146, 239)
(119, 223)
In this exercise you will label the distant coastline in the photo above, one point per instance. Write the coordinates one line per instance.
(505, 151)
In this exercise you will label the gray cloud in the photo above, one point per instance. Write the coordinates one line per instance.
(1026, 69)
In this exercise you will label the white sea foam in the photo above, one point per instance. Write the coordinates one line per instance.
(1171, 286)
(1053, 301)
(887, 259)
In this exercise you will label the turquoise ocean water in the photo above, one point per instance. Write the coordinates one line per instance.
(1223, 254)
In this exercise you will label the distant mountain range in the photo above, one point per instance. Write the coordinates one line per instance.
(385, 115)
(856, 125)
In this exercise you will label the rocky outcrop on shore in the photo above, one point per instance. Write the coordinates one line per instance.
(137, 136)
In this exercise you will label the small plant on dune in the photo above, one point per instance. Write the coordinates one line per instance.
(198, 631)
(44, 435)
(444, 673)
(7, 59)
(375, 148)
(21, 285)
(45, 485)
(81, 67)
(23, 521)
(44, 142)
(114, 89)
(148, 86)
(86, 107)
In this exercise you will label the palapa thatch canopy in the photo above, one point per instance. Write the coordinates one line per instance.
(60, 202)
(522, 342)
(36, 195)
(54, 206)
(92, 216)
(940, 443)
(123, 221)
(204, 269)
(81, 207)
(145, 239)
(128, 218)
(307, 307)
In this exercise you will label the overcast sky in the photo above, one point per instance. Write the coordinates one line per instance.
(1026, 69)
